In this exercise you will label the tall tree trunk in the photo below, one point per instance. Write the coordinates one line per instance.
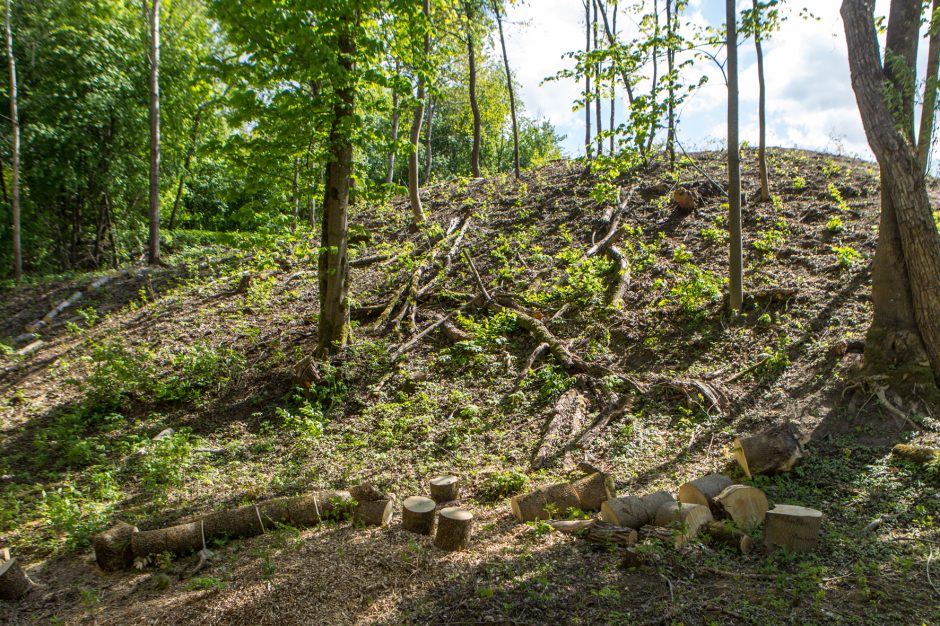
(613, 90)
(417, 212)
(925, 136)
(761, 108)
(654, 86)
(154, 188)
(736, 261)
(512, 95)
(474, 107)
(109, 215)
(597, 87)
(671, 68)
(333, 262)
(587, 81)
(905, 333)
(390, 173)
(14, 147)
(194, 135)
(427, 143)
(295, 193)
(612, 41)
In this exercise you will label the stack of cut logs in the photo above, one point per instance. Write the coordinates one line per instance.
(711, 506)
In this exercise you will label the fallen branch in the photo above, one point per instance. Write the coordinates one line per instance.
(565, 421)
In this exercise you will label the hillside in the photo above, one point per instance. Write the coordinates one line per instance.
(217, 357)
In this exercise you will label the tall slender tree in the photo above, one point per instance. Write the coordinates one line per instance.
(153, 250)
(587, 79)
(470, 10)
(396, 115)
(597, 84)
(671, 17)
(613, 86)
(512, 95)
(927, 114)
(14, 147)
(417, 212)
(758, 26)
(736, 261)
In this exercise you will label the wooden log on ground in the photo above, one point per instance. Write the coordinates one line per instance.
(727, 535)
(374, 512)
(795, 528)
(633, 511)
(704, 490)
(545, 502)
(566, 419)
(649, 531)
(306, 510)
(687, 518)
(445, 488)
(417, 515)
(593, 490)
(454, 526)
(177, 539)
(916, 454)
(746, 505)
(14, 583)
(776, 449)
(597, 531)
(366, 493)
(113, 547)
(29, 348)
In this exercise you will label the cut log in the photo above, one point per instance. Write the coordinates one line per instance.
(177, 539)
(633, 511)
(593, 490)
(656, 532)
(597, 531)
(704, 490)
(545, 502)
(916, 454)
(634, 557)
(565, 422)
(417, 515)
(454, 526)
(445, 489)
(374, 512)
(30, 348)
(727, 535)
(795, 528)
(687, 518)
(747, 506)
(366, 493)
(113, 547)
(776, 449)
(14, 583)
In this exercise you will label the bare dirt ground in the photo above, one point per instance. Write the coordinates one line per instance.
(182, 348)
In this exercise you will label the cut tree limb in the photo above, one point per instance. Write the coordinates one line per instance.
(597, 531)
(113, 547)
(728, 536)
(593, 490)
(916, 454)
(374, 512)
(776, 449)
(445, 488)
(565, 421)
(545, 502)
(14, 583)
(704, 490)
(795, 528)
(417, 515)
(746, 505)
(454, 527)
(633, 511)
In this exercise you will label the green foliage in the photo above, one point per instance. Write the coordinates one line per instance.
(549, 381)
(846, 256)
(694, 289)
(836, 196)
(499, 485)
(834, 225)
(166, 461)
(76, 513)
(799, 183)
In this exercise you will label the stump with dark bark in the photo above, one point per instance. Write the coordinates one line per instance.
(746, 505)
(774, 450)
(445, 489)
(795, 528)
(454, 526)
(113, 547)
(14, 583)
(704, 490)
(545, 502)
(633, 511)
(417, 515)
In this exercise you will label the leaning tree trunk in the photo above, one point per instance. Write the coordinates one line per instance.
(736, 283)
(333, 263)
(474, 107)
(417, 212)
(512, 95)
(14, 148)
(915, 244)
(925, 137)
(154, 186)
(761, 109)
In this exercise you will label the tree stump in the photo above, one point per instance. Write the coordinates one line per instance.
(366, 493)
(374, 512)
(593, 490)
(746, 505)
(417, 515)
(14, 583)
(795, 528)
(776, 449)
(729, 536)
(445, 489)
(633, 511)
(454, 526)
(687, 518)
(704, 490)
(113, 547)
(545, 502)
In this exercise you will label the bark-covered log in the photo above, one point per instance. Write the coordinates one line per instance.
(113, 547)
(177, 539)
(727, 535)
(633, 511)
(648, 531)
(795, 528)
(704, 490)
(593, 490)
(746, 505)
(545, 502)
(417, 515)
(374, 512)
(916, 454)
(597, 531)
(366, 493)
(776, 449)
(687, 518)
(14, 583)
(445, 488)
(566, 420)
(454, 526)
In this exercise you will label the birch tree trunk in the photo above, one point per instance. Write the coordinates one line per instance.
(414, 191)
(587, 81)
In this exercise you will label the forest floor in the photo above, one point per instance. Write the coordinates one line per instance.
(183, 348)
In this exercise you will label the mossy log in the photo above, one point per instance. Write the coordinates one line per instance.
(113, 547)
(545, 502)
(774, 450)
(746, 505)
(445, 489)
(727, 535)
(417, 515)
(704, 490)
(374, 512)
(686, 518)
(633, 511)
(593, 490)
(916, 454)
(454, 527)
(795, 528)
(14, 583)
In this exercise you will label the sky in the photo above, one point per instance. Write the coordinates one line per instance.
(810, 103)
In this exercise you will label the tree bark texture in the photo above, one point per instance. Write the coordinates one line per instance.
(587, 80)
(925, 136)
(736, 260)
(153, 251)
(14, 148)
(474, 107)
(761, 109)
(396, 115)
